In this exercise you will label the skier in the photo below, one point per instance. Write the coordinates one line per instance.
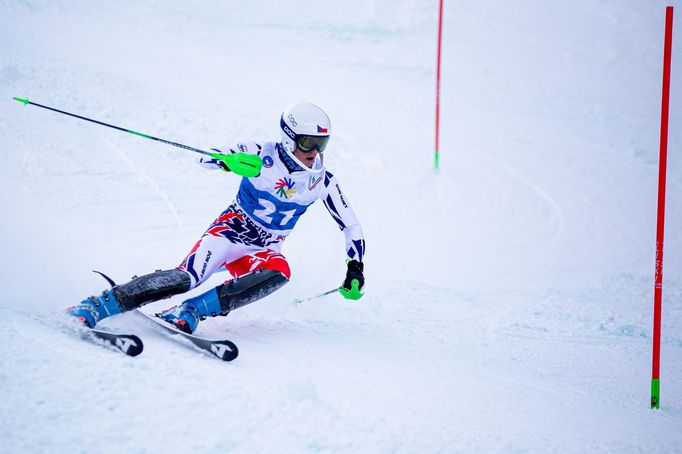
(247, 237)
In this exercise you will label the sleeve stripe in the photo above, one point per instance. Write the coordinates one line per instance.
(360, 247)
(332, 210)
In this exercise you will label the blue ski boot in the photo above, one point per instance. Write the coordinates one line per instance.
(95, 308)
(186, 315)
(223, 299)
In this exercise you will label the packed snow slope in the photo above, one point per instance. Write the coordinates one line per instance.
(509, 296)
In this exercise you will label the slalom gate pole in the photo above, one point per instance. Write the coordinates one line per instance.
(440, 34)
(146, 136)
(660, 222)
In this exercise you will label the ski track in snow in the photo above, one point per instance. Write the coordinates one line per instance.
(508, 300)
(550, 216)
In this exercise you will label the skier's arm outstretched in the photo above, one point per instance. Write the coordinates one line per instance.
(345, 218)
(246, 148)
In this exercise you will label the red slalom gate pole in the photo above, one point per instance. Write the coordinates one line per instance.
(660, 222)
(440, 34)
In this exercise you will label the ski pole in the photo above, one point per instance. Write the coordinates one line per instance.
(240, 163)
(328, 292)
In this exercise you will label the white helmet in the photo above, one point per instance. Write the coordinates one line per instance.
(306, 127)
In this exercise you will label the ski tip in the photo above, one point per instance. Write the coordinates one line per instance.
(225, 350)
(21, 100)
(128, 344)
(131, 345)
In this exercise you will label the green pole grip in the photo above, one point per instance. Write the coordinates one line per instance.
(354, 293)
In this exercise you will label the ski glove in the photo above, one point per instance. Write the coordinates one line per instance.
(212, 164)
(354, 282)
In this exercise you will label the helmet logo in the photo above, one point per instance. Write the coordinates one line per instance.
(289, 132)
(292, 120)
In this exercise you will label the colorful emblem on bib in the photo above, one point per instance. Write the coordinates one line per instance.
(285, 187)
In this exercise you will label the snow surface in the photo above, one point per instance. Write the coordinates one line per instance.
(509, 296)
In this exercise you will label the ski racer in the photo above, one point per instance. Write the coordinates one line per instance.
(246, 239)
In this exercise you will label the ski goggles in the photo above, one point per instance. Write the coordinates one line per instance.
(309, 143)
(305, 143)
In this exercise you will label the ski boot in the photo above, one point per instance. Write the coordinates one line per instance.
(224, 299)
(126, 297)
(94, 308)
(186, 315)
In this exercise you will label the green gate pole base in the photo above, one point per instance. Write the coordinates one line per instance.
(655, 393)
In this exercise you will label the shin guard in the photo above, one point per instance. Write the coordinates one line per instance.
(151, 287)
(249, 288)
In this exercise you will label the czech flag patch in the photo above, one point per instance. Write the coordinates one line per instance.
(321, 130)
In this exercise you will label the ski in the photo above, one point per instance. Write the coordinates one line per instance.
(222, 349)
(128, 344)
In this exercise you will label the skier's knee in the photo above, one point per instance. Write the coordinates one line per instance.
(249, 288)
(279, 264)
(152, 287)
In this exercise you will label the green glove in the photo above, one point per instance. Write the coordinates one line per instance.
(354, 282)
(243, 164)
